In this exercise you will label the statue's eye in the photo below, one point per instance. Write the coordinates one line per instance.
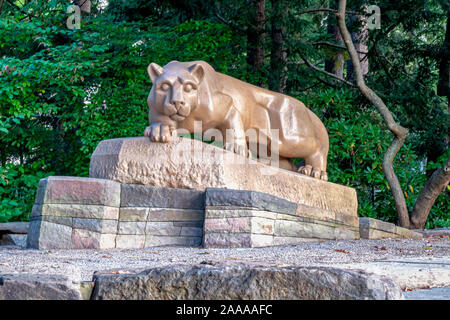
(188, 87)
(165, 87)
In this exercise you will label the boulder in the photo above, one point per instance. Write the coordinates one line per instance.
(205, 282)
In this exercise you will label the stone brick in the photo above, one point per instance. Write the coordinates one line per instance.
(224, 212)
(227, 240)
(191, 232)
(76, 190)
(262, 226)
(85, 239)
(47, 235)
(131, 227)
(369, 233)
(155, 241)
(76, 211)
(314, 212)
(97, 225)
(67, 221)
(409, 234)
(133, 214)
(175, 215)
(130, 241)
(160, 197)
(229, 225)
(377, 224)
(252, 199)
(286, 228)
(347, 219)
(261, 240)
(162, 229)
(195, 224)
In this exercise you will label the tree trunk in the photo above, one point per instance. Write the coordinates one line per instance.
(278, 54)
(359, 40)
(256, 36)
(432, 189)
(335, 64)
(399, 132)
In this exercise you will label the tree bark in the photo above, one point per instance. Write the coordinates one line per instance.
(432, 189)
(336, 63)
(399, 132)
(256, 36)
(278, 54)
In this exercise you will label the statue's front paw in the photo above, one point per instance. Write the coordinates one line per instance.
(158, 132)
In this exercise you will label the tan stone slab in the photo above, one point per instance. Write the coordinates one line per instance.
(133, 214)
(155, 214)
(176, 165)
(131, 227)
(78, 190)
(76, 211)
(369, 233)
(86, 239)
(409, 234)
(230, 225)
(214, 213)
(130, 241)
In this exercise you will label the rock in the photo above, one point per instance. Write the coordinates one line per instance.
(38, 287)
(48, 235)
(219, 282)
(76, 190)
(158, 197)
(14, 227)
(191, 164)
(19, 240)
(376, 229)
(218, 197)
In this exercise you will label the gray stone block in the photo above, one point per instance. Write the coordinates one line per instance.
(195, 224)
(86, 239)
(243, 282)
(14, 227)
(133, 214)
(130, 241)
(77, 190)
(96, 225)
(128, 227)
(47, 235)
(38, 287)
(166, 228)
(159, 197)
(66, 221)
(76, 211)
(252, 199)
(173, 215)
(191, 232)
(376, 224)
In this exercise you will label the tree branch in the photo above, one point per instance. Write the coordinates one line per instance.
(326, 72)
(326, 43)
(399, 132)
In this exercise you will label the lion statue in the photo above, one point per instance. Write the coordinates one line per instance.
(184, 92)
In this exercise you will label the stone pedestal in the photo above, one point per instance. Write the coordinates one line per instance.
(192, 164)
(142, 194)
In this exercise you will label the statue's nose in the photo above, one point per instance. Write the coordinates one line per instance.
(178, 104)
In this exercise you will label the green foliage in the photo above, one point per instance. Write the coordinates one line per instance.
(358, 141)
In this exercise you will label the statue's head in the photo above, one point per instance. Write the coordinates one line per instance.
(175, 88)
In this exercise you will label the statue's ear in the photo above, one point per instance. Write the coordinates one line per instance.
(154, 71)
(197, 71)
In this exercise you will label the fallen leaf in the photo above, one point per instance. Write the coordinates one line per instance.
(343, 251)
(206, 252)
(234, 258)
(115, 272)
(380, 248)
(155, 252)
(428, 248)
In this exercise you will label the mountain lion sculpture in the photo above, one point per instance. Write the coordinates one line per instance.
(184, 92)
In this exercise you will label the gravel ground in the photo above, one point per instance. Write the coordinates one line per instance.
(80, 264)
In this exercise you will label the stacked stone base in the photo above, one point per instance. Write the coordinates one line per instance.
(237, 218)
(85, 213)
(88, 213)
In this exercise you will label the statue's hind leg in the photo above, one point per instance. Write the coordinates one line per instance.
(316, 165)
